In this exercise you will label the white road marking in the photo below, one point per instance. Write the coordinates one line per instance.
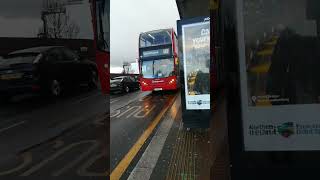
(116, 113)
(12, 126)
(114, 100)
(78, 160)
(129, 108)
(147, 162)
(27, 159)
(145, 114)
(133, 111)
(57, 154)
(83, 170)
(86, 98)
(137, 109)
(145, 98)
(128, 99)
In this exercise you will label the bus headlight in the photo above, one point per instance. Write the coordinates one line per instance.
(171, 81)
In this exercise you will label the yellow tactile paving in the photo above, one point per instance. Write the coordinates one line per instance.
(265, 52)
(188, 159)
(262, 68)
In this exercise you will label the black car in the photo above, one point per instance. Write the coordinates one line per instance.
(124, 84)
(49, 69)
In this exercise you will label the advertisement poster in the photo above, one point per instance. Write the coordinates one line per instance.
(196, 63)
(279, 74)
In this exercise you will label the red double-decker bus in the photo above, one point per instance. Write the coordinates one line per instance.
(101, 26)
(158, 60)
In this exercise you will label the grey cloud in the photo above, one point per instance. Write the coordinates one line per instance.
(20, 8)
(129, 18)
(15, 14)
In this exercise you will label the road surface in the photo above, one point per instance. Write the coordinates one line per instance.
(66, 136)
(131, 117)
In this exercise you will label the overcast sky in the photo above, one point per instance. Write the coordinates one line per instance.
(21, 18)
(130, 17)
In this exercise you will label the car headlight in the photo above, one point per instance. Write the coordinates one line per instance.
(115, 85)
(171, 81)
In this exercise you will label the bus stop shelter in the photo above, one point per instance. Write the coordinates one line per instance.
(266, 98)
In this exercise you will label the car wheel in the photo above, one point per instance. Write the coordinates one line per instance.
(93, 84)
(126, 89)
(55, 88)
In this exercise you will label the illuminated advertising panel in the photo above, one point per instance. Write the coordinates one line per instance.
(196, 64)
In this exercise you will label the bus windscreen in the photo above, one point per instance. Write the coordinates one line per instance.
(158, 68)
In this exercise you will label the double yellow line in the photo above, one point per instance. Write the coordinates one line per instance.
(125, 162)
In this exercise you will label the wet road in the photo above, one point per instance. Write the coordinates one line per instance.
(131, 116)
(118, 101)
(66, 136)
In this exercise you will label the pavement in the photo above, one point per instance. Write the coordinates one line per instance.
(44, 137)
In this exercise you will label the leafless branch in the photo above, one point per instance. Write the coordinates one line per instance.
(58, 22)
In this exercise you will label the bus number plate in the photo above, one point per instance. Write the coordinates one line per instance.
(158, 89)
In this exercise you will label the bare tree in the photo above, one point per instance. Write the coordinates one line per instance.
(56, 21)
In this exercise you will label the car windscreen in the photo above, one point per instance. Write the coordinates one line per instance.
(155, 38)
(18, 59)
(161, 68)
(117, 78)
